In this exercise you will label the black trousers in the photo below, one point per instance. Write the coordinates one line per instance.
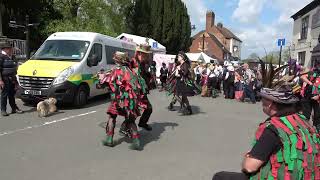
(230, 89)
(230, 176)
(163, 80)
(307, 106)
(198, 79)
(146, 113)
(8, 92)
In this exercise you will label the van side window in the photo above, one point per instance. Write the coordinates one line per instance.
(97, 50)
(109, 54)
(110, 50)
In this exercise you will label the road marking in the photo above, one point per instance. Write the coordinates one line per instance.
(45, 123)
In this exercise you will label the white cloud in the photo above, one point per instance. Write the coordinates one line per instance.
(248, 11)
(261, 36)
(255, 34)
(197, 11)
(288, 8)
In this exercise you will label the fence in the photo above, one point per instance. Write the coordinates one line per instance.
(19, 46)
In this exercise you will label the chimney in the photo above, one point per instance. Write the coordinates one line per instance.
(210, 16)
(220, 25)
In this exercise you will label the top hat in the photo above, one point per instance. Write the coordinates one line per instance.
(121, 57)
(282, 95)
(145, 48)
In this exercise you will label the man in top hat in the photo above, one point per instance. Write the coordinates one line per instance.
(8, 80)
(285, 145)
(140, 64)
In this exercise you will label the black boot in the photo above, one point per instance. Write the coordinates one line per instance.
(170, 107)
(189, 110)
(4, 113)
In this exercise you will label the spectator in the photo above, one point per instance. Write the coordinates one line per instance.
(229, 83)
(248, 77)
(163, 75)
(198, 71)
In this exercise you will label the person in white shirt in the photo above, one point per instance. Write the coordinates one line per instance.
(198, 71)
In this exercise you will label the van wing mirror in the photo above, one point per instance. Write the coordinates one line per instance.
(92, 60)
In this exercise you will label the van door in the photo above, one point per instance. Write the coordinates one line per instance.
(93, 69)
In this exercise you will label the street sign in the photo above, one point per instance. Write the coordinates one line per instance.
(281, 42)
(155, 44)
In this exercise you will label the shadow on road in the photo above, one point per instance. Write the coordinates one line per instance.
(195, 110)
(157, 130)
(145, 138)
(30, 110)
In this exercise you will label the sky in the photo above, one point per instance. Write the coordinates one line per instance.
(258, 23)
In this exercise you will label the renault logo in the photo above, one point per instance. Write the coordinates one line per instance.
(34, 72)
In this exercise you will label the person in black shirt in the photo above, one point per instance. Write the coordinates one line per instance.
(163, 75)
(8, 80)
(153, 76)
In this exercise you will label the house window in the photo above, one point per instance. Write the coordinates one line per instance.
(235, 49)
(302, 57)
(304, 27)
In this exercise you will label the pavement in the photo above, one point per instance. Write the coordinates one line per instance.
(67, 145)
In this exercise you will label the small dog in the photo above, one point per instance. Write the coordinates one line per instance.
(46, 107)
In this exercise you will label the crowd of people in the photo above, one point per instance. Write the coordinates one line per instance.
(234, 81)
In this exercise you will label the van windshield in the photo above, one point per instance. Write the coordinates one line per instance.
(62, 50)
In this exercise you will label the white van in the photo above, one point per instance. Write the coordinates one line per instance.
(65, 64)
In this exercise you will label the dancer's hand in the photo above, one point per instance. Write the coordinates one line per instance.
(316, 98)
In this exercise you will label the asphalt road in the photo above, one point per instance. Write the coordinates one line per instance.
(67, 145)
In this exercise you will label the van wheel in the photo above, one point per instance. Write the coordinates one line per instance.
(81, 97)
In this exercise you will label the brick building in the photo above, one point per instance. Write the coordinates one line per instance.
(216, 41)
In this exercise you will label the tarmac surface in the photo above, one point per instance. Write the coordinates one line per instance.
(67, 145)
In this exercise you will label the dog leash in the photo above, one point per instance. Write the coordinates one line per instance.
(38, 98)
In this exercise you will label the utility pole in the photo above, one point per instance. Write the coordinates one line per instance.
(280, 56)
(27, 37)
(1, 7)
(203, 42)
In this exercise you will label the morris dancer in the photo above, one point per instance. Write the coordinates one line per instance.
(140, 65)
(285, 145)
(171, 87)
(125, 95)
(311, 94)
(185, 86)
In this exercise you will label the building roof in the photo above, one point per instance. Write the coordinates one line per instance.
(306, 9)
(227, 33)
(142, 40)
(201, 57)
(216, 40)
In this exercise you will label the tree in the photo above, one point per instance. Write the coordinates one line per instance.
(166, 21)
(253, 56)
(101, 16)
(39, 11)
